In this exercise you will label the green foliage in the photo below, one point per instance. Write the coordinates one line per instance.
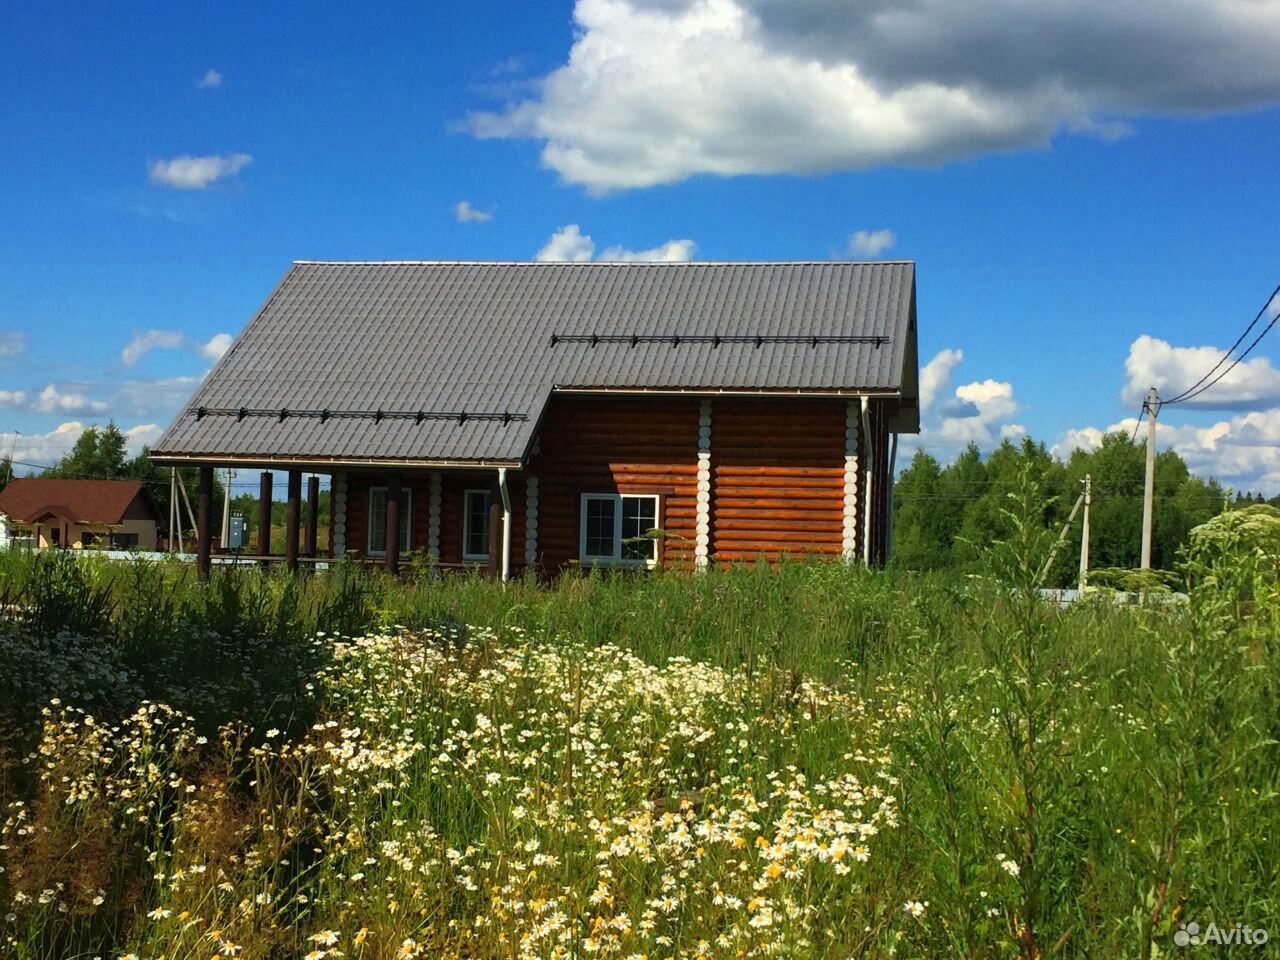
(945, 516)
(1255, 528)
(1136, 581)
(1070, 783)
(97, 454)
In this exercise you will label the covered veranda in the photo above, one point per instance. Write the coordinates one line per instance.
(301, 528)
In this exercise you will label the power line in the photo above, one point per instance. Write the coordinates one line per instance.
(1200, 386)
(1141, 414)
(1192, 396)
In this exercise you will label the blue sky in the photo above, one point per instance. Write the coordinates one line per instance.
(1082, 224)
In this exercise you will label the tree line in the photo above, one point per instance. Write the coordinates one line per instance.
(945, 515)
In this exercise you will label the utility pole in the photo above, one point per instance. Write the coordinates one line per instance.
(1084, 537)
(175, 520)
(1149, 490)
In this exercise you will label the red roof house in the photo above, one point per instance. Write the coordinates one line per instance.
(119, 514)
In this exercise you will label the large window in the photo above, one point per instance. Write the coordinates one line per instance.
(475, 524)
(378, 520)
(616, 530)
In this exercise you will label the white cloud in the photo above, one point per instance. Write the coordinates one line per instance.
(654, 91)
(466, 213)
(45, 449)
(871, 243)
(567, 245)
(935, 376)
(42, 449)
(1243, 451)
(148, 340)
(1085, 438)
(673, 251)
(211, 80)
(976, 412)
(146, 398)
(13, 343)
(196, 173)
(52, 399)
(570, 245)
(1171, 370)
(983, 407)
(216, 346)
(143, 435)
(12, 399)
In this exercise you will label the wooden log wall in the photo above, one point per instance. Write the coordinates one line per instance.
(777, 478)
(616, 444)
(453, 489)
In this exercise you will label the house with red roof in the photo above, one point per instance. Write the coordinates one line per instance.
(111, 514)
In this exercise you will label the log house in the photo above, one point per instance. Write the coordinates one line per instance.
(521, 416)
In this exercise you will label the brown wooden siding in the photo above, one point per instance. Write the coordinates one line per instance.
(453, 487)
(777, 478)
(616, 445)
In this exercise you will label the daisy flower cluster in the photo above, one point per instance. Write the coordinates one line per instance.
(466, 794)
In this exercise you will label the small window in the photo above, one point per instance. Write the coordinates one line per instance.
(378, 520)
(475, 524)
(616, 529)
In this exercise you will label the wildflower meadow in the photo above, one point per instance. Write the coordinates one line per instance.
(806, 761)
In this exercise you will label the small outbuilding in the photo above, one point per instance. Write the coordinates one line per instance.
(538, 415)
(109, 514)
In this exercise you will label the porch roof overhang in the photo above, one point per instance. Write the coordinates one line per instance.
(323, 464)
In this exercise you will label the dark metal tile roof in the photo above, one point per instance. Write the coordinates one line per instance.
(356, 338)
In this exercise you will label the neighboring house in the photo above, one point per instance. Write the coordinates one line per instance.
(546, 414)
(112, 514)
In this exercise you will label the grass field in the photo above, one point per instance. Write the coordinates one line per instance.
(814, 761)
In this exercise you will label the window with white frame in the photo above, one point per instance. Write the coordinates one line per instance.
(475, 524)
(378, 520)
(615, 530)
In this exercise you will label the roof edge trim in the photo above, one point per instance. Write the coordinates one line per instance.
(278, 462)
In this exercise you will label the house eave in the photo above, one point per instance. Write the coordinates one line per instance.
(874, 392)
(324, 464)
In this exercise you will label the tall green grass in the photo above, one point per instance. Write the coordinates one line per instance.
(1078, 783)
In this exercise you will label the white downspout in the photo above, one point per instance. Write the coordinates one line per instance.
(871, 457)
(893, 460)
(506, 523)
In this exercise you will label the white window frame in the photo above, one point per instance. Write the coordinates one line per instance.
(406, 505)
(466, 525)
(616, 559)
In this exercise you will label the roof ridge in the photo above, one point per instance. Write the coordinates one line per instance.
(602, 263)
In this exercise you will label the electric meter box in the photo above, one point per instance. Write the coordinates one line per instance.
(236, 532)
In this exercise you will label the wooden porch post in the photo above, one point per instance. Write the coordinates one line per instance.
(204, 522)
(264, 514)
(393, 524)
(313, 506)
(291, 508)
